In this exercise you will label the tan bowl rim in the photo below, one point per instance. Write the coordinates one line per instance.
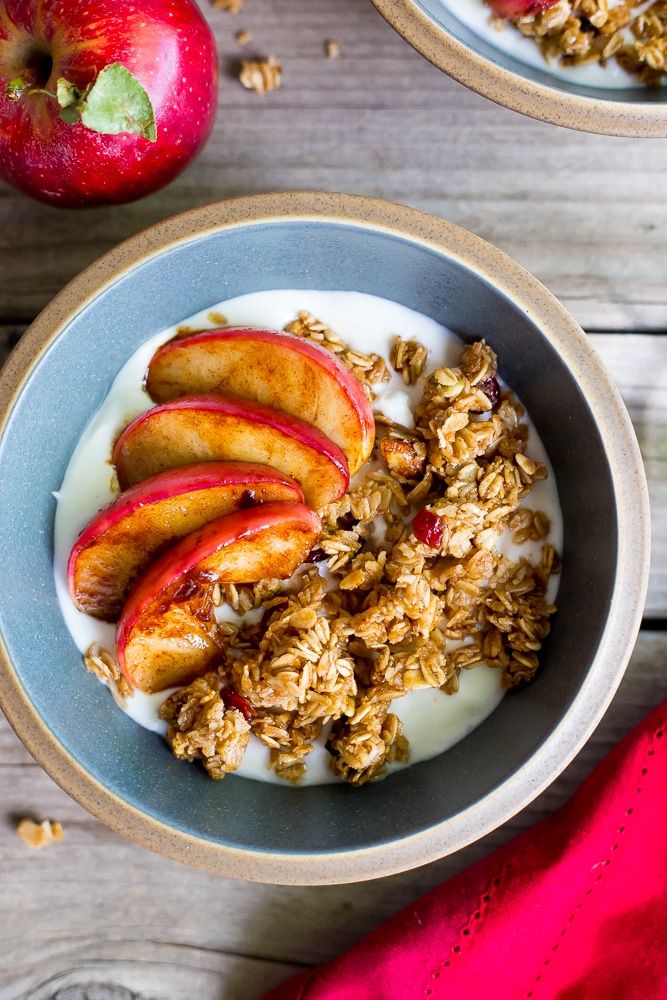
(512, 90)
(618, 636)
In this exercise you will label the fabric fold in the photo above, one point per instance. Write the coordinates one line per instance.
(574, 908)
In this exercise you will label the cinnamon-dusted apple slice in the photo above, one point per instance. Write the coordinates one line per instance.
(122, 540)
(167, 634)
(277, 369)
(216, 427)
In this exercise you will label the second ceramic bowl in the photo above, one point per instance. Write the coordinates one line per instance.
(454, 47)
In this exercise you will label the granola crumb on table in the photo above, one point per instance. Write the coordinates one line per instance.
(38, 835)
(410, 615)
(233, 6)
(260, 75)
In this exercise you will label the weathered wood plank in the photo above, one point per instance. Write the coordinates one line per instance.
(382, 121)
(9, 337)
(638, 365)
(98, 909)
(135, 970)
(97, 917)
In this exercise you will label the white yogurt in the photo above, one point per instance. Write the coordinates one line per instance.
(508, 39)
(432, 721)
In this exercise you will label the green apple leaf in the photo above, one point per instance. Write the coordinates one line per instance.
(117, 102)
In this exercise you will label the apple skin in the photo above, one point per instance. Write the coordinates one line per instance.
(167, 633)
(166, 44)
(276, 368)
(122, 540)
(217, 427)
(519, 8)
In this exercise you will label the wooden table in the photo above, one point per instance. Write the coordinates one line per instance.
(99, 917)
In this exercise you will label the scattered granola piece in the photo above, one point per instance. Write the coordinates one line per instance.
(218, 318)
(243, 37)
(261, 76)
(100, 662)
(37, 835)
(408, 358)
(233, 6)
(187, 331)
(332, 49)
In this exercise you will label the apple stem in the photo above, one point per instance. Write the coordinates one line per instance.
(115, 102)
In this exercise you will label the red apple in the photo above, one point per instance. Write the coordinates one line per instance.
(213, 428)
(122, 540)
(167, 633)
(519, 8)
(62, 47)
(278, 369)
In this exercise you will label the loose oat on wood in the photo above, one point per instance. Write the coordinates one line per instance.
(262, 75)
(38, 835)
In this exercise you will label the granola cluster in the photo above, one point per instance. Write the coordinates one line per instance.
(370, 369)
(202, 727)
(406, 589)
(578, 32)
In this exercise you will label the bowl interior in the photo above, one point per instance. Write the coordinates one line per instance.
(69, 380)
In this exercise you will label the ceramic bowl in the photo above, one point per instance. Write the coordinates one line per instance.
(125, 775)
(452, 46)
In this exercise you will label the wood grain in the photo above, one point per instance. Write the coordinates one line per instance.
(584, 213)
(638, 365)
(98, 918)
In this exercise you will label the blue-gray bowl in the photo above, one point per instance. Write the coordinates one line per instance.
(61, 371)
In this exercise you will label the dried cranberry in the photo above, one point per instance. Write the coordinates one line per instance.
(491, 389)
(232, 699)
(428, 527)
(316, 555)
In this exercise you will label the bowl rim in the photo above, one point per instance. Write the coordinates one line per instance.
(618, 637)
(520, 93)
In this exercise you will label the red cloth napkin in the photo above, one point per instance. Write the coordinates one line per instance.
(575, 908)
